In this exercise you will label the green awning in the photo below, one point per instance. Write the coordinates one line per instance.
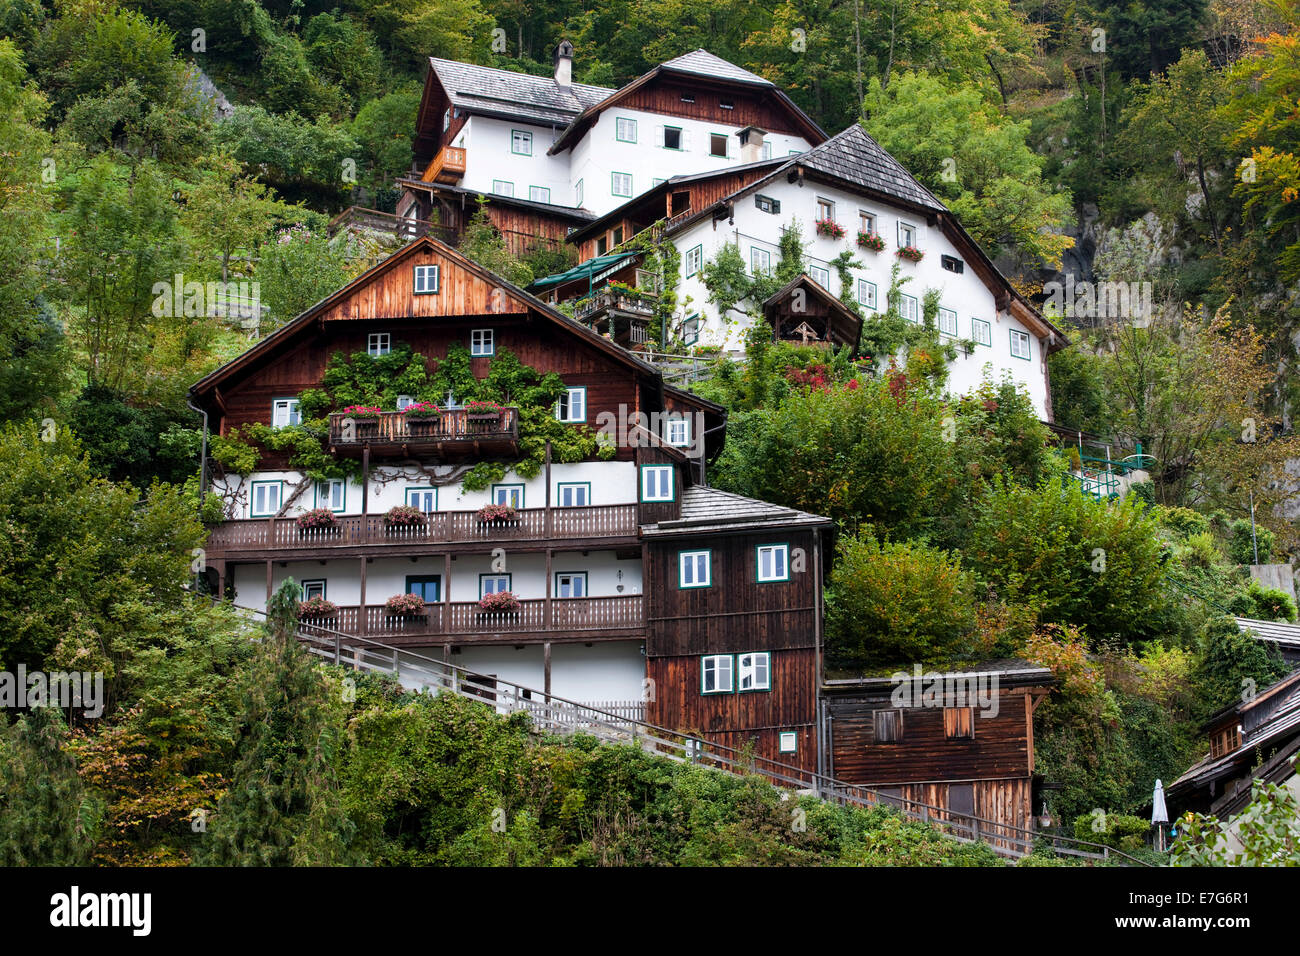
(591, 270)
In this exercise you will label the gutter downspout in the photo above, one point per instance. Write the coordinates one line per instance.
(203, 454)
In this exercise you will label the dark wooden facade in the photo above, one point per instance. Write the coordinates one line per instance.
(989, 774)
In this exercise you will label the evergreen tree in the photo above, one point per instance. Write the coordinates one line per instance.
(283, 808)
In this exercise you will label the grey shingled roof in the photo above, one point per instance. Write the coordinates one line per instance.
(485, 89)
(704, 63)
(853, 156)
(710, 509)
(1279, 632)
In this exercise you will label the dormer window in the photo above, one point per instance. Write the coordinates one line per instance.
(426, 280)
(952, 264)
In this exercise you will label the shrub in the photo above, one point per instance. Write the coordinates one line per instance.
(1184, 520)
(1241, 546)
(1117, 830)
(1263, 604)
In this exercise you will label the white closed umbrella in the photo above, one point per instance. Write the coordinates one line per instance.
(1159, 813)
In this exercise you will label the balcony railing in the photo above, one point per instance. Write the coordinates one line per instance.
(447, 167)
(621, 613)
(631, 303)
(453, 425)
(442, 527)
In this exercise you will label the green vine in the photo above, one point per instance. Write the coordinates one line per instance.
(888, 333)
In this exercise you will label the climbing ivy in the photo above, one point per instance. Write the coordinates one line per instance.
(888, 333)
(660, 256)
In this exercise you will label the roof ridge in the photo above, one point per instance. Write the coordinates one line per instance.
(531, 76)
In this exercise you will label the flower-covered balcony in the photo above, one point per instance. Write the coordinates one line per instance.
(619, 312)
(478, 429)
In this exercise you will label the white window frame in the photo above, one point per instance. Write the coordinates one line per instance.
(426, 499)
(331, 486)
(787, 742)
(907, 235)
(503, 187)
(575, 397)
(907, 308)
(986, 327)
(624, 124)
(691, 329)
(427, 280)
(718, 666)
(677, 431)
(779, 560)
(693, 260)
(539, 194)
(574, 577)
(267, 510)
(756, 667)
(695, 562)
(1019, 336)
(497, 579)
(508, 493)
(482, 342)
(577, 193)
(754, 258)
(285, 412)
(521, 137)
(867, 221)
(653, 476)
(578, 489)
(379, 343)
(613, 184)
(947, 322)
(867, 295)
(821, 276)
(825, 209)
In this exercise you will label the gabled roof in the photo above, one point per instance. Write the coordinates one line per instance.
(703, 63)
(493, 92)
(853, 156)
(834, 305)
(711, 510)
(282, 336)
(698, 64)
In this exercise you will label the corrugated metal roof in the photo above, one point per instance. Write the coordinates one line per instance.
(710, 509)
(706, 64)
(485, 89)
(1279, 631)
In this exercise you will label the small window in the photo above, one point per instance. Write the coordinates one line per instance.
(492, 584)
(446, 119)
(313, 589)
(379, 343)
(426, 499)
(888, 726)
(688, 97)
(821, 276)
(404, 402)
(616, 235)
(645, 279)
(866, 222)
(677, 432)
(427, 280)
(718, 144)
(539, 194)
(571, 585)
(503, 187)
(981, 332)
(332, 494)
(760, 261)
(754, 671)
(672, 137)
(1020, 344)
(774, 562)
(285, 412)
(767, 203)
(691, 329)
(952, 264)
(726, 104)
(788, 742)
(907, 308)
(481, 342)
(428, 587)
(621, 184)
(947, 322)
(959, 723)
(694, 569)
(572, 406)
(601, 245)
(657, 483)
(573, 494)
(264, 498)
(577, 193)
(694, 259)
(625, 130)
(766, 151)
(512, 495)
(866, 293)
(521, 142)
(716, 675)
(906, 236)
(825, 210)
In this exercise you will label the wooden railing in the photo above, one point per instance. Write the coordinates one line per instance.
(447, 167)
(453, 424)
(630, 302)
(624, 612)
(359, 217)
(441, 527)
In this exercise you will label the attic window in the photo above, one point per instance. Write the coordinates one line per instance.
(768, 204)
(688, 97)
(726, 104)
(426, 280)
(952, 264)
(717, 144)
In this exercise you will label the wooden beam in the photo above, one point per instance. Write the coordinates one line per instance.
(546, 670)
(361, 604)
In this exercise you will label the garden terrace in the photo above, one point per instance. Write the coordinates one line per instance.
(456, 433)
(550, 619)
(598, 525)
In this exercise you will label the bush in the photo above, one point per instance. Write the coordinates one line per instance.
(1241, 545)
(1184, 520)
(1263, 604)
(1117, 830)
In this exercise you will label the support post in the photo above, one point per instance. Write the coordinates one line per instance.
(361, 610)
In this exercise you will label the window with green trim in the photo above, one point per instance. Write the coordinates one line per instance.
(313, 589)
(426, 586)
(426, 499)
(694, 569)
(503, 187)
(717, 674)
(521, 142)
(694, 258)
(332, 494)
(625, 129)
(773, 562)
(982, 332)
(947, 322)
(907, 308)
(1020, 347)
(427, 280)
(264, 498)
(672, 137)
(620, 184)
(866, 294)
(577, 193)
(754, 671)
(539, 194)
(573, 494)
(788, 742)
(512, 495)
(571, 584)
(493, 584)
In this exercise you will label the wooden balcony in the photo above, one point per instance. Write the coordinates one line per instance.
(554, 618)
(623, 316)
(456, 433)
(356, 533)
(447, 167)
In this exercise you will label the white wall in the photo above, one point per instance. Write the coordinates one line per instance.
(964, 293)
(605, 671)
(488, 157)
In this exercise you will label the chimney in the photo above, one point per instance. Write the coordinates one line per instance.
(751, 144)
(564, 64)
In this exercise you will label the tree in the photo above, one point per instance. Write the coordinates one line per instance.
(976, 159)
(895, 603)
(226, 211)
(1145, 37)
(1265, 833)
(297, 270)
(483, 243)
(282, 807)
(46, 818)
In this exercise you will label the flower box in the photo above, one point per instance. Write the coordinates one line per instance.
(406, 605)
(318, 610)
(405, 516)
(500, 602)
(362, 411)
(318, 519)
(498, 514)
(477, 411)
(829, 228)
(422, 410)
(871, 240)
(910, 253)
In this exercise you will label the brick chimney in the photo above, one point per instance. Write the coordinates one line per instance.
(564, 64)
(751, 144)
